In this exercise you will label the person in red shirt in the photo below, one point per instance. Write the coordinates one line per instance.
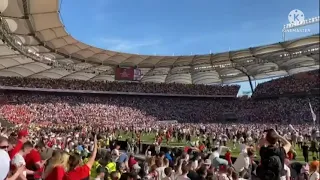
(290, 155)
(228, 157)
(57, 166)
(202, 147)
(186, 149)
(168, 136)
(132, 162)
(34, 162)
(159, 140)
(22, 138)
(77, 172)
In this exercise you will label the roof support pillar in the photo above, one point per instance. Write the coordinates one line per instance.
(249, 77)
(242, 69)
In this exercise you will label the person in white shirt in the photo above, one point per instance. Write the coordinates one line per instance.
(243, 161)
(249, 139)
(243, 148)
(288, 173)
(18, 159)
(287, 170)
(115, 153)
(224, 139)
(219, 138)
(157, 147)
(234, 142)
(241, 140)
(300, 141)
(160, 168)
(215, 157)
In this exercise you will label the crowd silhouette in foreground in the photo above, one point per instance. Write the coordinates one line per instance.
(71, 136)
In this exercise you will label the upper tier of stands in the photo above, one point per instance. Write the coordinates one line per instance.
(188, 89)
(298, 83)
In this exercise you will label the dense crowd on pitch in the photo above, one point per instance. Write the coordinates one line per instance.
(63, 123)
(62, 152)
(132, 110)
(60, 143)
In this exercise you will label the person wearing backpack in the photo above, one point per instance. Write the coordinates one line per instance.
(272, 156)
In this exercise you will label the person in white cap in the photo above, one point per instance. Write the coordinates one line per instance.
(208, 163)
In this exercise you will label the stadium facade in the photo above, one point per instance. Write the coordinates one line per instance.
(35, 44)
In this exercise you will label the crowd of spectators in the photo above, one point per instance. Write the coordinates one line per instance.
(72, 153)
(68, 122)
(298, 83)
(128, 110)
(189, 89)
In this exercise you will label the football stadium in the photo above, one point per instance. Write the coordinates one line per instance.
(70, 110)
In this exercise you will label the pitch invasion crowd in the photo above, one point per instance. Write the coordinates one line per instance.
(64, 123)
(69, 152)
(140, 110)
(54, 137)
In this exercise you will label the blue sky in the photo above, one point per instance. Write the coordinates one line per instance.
(182, 27)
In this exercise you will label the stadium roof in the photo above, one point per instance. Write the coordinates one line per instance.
(37, 45)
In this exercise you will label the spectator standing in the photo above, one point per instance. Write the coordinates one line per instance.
(273, 156)
(305, 152)
(18, 160)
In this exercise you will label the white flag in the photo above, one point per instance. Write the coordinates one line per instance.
(292, 128)
(314, 116)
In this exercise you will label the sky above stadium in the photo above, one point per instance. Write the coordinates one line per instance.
(182, 27)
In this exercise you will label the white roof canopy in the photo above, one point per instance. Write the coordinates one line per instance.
(36, 24)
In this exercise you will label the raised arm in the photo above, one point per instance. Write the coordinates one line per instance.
(286, 143)
(94, 153)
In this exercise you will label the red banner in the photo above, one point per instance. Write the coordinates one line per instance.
(124, 74)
